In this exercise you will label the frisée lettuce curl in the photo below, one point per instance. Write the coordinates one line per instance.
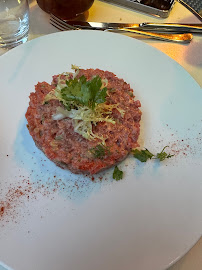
(84, 102)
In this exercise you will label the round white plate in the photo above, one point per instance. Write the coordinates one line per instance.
(56, 220)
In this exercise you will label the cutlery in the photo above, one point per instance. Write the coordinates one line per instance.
(182, 38)
(174, 27)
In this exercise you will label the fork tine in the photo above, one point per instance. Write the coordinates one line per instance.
(58, 27)
(60, 24)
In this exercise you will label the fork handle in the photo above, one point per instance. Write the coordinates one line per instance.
(182, 38)
(191, 28)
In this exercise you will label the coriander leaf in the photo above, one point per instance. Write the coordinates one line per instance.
(163, 155)
(117, 174)
(77, 91)
(98, 95)
(83, 92)
(82, 79)
(94, 85)
(101, 96)
(100, 151)
(142, 155)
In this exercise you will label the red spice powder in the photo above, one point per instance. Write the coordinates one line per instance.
(17, 196)
(20, 193)
(13, 199)
(2, 210)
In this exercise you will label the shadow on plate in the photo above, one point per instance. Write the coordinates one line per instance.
(43, 173)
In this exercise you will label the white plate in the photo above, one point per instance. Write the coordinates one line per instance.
(147, 220)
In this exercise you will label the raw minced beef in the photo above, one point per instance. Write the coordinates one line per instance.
(70, 150)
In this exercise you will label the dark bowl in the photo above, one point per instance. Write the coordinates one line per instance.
(65, 9)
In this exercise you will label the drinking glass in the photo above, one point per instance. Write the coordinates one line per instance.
(14, 22)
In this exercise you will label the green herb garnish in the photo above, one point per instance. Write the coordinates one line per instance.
(83, 92)
(84, 101)
(163, 155)
(100, 151)
(117, 174)
(142, 155)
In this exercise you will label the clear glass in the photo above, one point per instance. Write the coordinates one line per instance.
(14, 22)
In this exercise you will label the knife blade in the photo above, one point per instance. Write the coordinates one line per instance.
(101, 25)
(173, 27)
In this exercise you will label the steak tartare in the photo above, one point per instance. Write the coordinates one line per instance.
(84, 121)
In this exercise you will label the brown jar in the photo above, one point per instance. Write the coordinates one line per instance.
(65, 9)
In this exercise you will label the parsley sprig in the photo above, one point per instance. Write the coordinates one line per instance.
(84, 92)
(144, 155)
(117, 174)
(163, 155)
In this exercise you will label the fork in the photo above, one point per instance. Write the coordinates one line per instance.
(183, 38)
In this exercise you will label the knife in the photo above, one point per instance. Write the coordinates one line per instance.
(193, 28)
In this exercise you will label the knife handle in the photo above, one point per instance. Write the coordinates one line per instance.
(194, 28)
(181, 38)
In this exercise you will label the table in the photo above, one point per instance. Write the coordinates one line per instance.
(187, 55)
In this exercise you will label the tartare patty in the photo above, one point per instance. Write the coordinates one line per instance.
(57, 136)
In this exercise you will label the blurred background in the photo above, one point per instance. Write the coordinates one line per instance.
(195, 4)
